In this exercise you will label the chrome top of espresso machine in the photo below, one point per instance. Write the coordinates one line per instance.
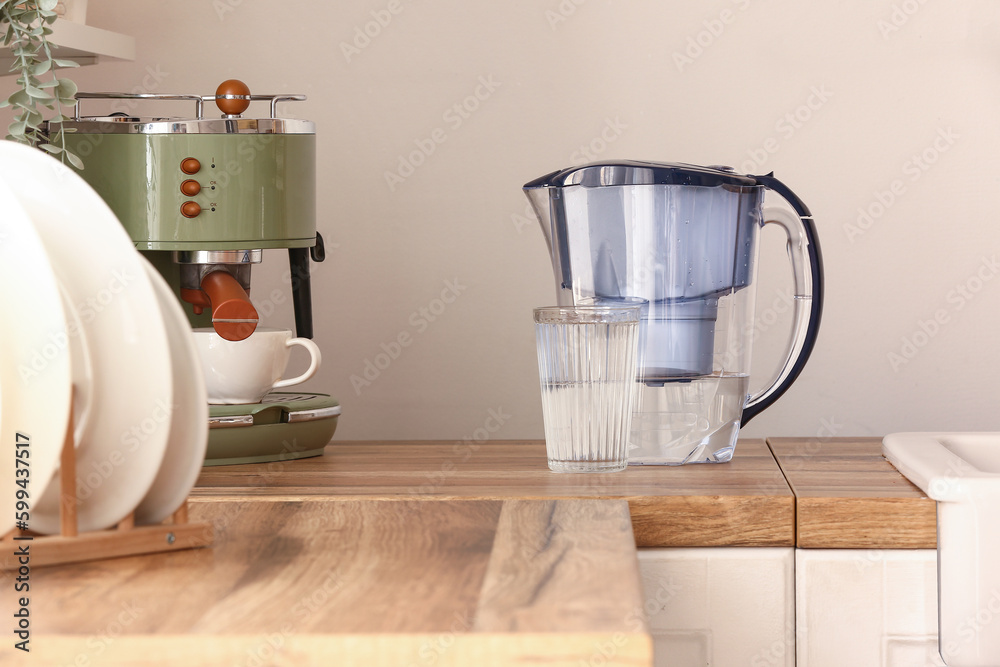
(202, 198)
(682, 239)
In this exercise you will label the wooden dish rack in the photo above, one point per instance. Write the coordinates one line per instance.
(125, 539)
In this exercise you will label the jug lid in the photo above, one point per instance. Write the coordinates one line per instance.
(629, 172)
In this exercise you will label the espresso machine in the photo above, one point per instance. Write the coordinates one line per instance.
(681, 241)
(202, 198)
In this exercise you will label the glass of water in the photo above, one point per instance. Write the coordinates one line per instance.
(587, 371)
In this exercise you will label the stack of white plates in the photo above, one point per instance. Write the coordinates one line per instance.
(89, 323)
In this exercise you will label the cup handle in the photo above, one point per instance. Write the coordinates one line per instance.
(315, 358)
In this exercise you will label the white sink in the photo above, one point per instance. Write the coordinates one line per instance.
(962, 472)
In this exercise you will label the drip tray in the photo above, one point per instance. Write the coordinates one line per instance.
(282, 427)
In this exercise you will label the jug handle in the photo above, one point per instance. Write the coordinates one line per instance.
(807, 271)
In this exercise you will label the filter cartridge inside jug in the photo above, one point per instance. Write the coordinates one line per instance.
(678, 341)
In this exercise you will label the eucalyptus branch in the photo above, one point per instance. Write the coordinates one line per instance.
(27, 28)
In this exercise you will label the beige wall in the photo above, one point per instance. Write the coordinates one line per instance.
(567, 75)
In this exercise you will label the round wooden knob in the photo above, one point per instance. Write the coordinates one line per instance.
(232, 107)
(190, 209)
(190, 165)
(190, 187)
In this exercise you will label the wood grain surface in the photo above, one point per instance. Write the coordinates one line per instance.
(390, 582)
(542, 550)
(742, 503)
(849, 496)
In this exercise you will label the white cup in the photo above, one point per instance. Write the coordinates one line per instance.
(244, 371)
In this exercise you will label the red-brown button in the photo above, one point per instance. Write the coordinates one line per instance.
(190, 209)
(190, 187)
(190, 165)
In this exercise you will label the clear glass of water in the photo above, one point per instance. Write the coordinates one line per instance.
(587, 371)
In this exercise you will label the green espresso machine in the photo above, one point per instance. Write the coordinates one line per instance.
(202, 198)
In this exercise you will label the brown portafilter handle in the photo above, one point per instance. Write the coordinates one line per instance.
(233, 316)
(298, 263)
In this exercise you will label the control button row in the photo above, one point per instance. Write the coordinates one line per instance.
(190, 187)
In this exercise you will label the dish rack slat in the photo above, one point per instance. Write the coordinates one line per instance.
(125, 539)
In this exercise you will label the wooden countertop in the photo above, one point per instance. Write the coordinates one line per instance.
(847, 495)
(805, 492)
(745, 502)
(358, 583)
(410, 553)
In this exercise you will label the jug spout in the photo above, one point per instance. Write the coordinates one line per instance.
(539, 198)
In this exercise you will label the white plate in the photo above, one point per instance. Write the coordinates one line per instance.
(35, 365)
(83, 370)
(189, 422)
(125, 437)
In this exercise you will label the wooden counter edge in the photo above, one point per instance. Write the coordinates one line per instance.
(845, 521)
(657, 521)
(865, 523)
(290, 649)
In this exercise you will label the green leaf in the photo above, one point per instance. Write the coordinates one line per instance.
(47, 5)
(60, 62)
(74, 160)
(49, 148)
(20, 98)
(66, 88)
(37, 93)
(40, 68)
(16, 128)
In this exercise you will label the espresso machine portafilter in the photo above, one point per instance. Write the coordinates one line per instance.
(202, 198)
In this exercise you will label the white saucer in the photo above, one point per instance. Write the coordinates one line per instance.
(35, 366)
(188, 440)
(125, 437)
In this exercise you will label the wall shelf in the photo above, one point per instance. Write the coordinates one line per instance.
(84, 44)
